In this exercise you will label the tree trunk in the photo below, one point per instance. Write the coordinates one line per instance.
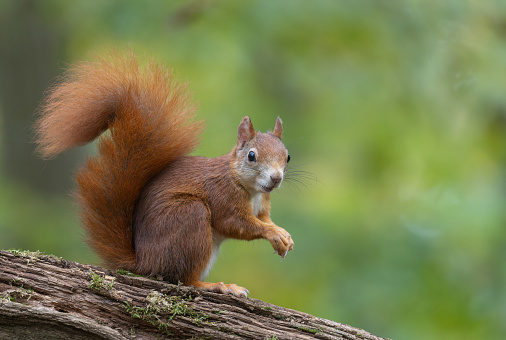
(31, 43)
(46, 297)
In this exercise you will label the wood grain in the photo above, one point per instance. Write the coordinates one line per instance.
(45, 297)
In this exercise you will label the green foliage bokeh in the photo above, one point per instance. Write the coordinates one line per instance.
(396, 109)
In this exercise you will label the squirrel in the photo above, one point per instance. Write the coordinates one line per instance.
(147, 206)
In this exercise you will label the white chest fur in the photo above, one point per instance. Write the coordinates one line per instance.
(256, 203)
(217, 240)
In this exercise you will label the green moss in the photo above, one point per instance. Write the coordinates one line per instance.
(225, 329)
(7, 296)
(13, 295)
(25, 253)
(272, 338)
(127, 273)
(98, 282)
(160, 307)
(309, 330)
(31, 256)
(17, 281)
(18, 291)
(34, 256)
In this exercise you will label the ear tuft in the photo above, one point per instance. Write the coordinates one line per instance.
(278, 129)
(245, 132)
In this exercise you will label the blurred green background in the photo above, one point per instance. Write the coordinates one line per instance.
(398, 108)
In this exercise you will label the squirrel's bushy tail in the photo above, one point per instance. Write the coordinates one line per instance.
(151, 122)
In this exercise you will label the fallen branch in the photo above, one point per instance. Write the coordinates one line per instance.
(46, 297)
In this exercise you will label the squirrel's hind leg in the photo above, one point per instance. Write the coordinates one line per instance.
(220, 287)
(178, 244)
(174, 240)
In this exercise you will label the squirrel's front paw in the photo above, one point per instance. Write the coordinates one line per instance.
(280, 240)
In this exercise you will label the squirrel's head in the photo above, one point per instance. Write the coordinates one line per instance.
(259, 159)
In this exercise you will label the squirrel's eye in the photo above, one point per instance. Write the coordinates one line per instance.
(251, 156)
(288, 159)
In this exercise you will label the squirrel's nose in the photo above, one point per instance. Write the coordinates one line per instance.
(276, 179)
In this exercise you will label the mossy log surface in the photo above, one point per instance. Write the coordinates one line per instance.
(46, 297)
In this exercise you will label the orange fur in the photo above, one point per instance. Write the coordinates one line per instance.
(145, 205)
(151, 122)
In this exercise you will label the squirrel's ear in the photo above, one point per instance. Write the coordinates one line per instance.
(245, 131)
(278, 129)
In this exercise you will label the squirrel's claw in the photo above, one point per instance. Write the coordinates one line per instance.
(280, 240)
(243, 293)
(284, 255)
(238, 291)
(220, 287)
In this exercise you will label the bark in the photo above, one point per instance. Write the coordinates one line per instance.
(46, 297)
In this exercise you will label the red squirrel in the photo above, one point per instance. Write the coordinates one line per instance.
(146, 206)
